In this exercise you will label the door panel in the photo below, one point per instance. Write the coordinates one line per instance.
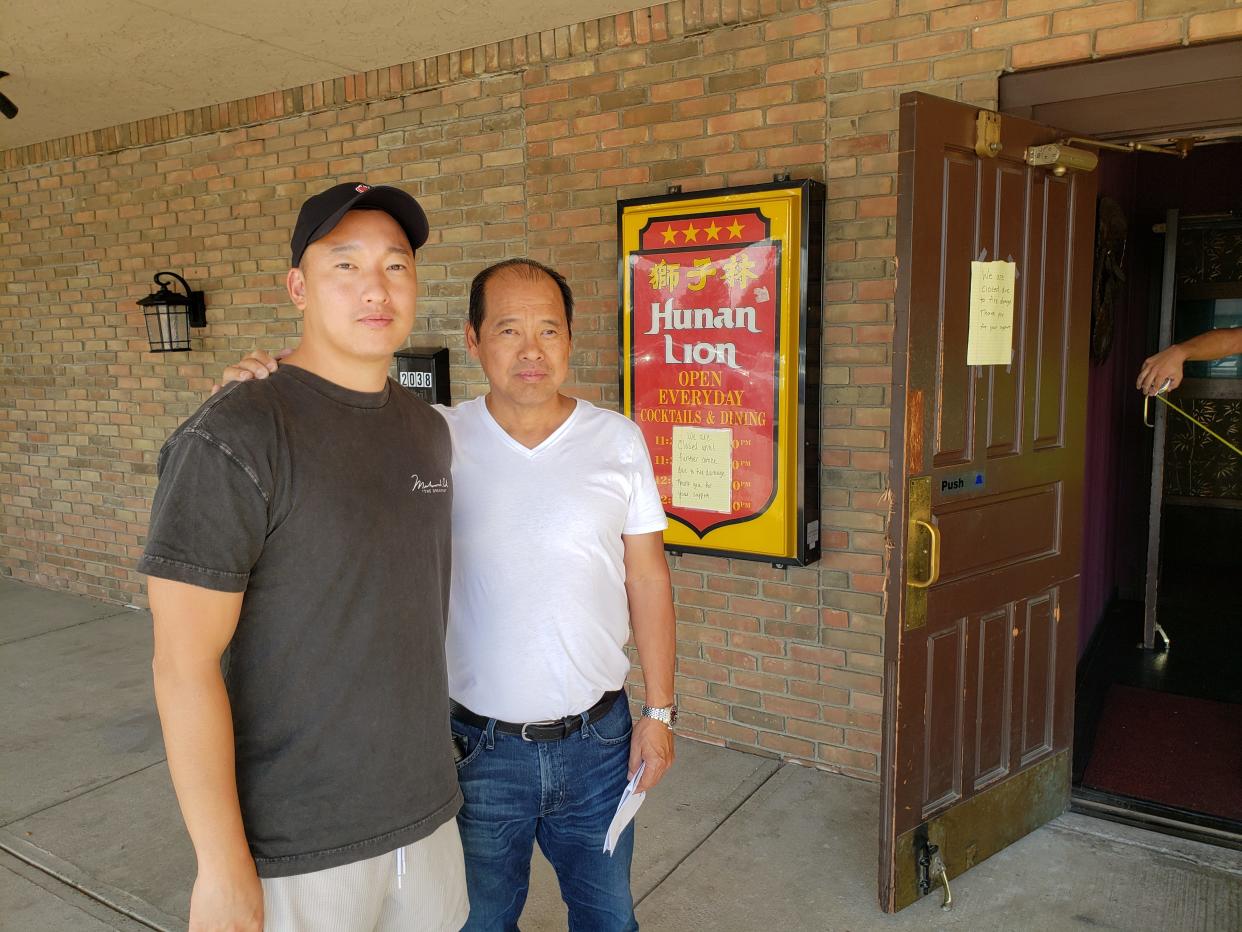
(977, 535)
(1005, 382)
(942, 740)
(979, 665)
(993, 677)
(1038, 682)
(1053, 330)
(955, 382)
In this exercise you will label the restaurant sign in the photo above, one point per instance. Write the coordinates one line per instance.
(719, 329)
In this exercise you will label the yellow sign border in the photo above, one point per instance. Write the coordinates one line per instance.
(787, 530)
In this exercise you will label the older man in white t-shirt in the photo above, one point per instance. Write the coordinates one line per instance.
(558, 554)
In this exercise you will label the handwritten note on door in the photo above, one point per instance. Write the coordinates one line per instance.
(703, 468)
(990, 341)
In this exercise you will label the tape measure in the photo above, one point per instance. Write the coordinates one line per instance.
(1190, 417)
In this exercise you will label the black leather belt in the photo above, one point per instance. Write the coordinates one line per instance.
(553, 730)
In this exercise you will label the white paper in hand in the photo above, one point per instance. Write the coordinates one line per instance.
(626, 809)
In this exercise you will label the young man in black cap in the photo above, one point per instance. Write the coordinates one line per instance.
(301, 532)
(559, 556)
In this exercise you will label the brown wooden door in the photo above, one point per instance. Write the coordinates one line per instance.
(979, 667)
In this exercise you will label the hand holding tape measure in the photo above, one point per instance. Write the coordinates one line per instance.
(1160, 395)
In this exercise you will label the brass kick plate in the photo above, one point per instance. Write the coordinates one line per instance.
(976, 829)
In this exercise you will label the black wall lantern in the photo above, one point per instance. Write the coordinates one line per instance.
(171, 315)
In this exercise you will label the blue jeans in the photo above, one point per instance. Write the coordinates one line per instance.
(560, 793)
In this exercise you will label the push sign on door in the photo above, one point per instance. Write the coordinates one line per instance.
(424, 370)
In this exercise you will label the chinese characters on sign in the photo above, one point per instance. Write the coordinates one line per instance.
(710, 354)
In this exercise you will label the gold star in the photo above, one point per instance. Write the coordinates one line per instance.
(713, 231)
(735, 230)
(670, 235)
(691, 233)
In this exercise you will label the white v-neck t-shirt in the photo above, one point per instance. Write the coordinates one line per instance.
(538, 618)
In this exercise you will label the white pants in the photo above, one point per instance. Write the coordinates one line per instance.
(419, 888)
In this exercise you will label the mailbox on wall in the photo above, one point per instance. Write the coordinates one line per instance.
(424, 370)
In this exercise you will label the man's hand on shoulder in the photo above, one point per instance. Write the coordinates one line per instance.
(652, 742)
(227, 900)
(258, 364)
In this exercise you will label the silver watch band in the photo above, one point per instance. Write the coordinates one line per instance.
(665, 714)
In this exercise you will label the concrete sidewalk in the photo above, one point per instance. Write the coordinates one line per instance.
(90, 837)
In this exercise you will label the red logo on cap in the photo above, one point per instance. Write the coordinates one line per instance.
(363, 188)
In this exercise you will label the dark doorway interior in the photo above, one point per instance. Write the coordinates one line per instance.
(1158, 737)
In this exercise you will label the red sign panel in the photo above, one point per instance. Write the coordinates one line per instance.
(705, 343)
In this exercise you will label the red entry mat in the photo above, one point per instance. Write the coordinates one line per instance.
(1169, 749)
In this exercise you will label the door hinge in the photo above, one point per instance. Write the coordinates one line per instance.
(988, 134)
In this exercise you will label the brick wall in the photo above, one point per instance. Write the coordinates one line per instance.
(520, 147)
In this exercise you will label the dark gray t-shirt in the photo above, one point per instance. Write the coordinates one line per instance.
(330, 509)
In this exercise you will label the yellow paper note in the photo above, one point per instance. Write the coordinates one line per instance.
(703, 468)
(990, 342)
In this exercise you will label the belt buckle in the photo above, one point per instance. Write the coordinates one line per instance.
(526, 725)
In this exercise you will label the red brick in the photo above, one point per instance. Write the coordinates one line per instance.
(901, 27)
(793, 708)
(966, 14)
(858, 13)
(731, 658)
(766, 138)
(990, 62)
(932, 46)
(1224, 24)
(858, 145)
(1095, 16)
(757, 607)
(676, 90)
(731, 731)
(823, 656)
(731, 621)
(764, 97)
(847, 679)
(829, 734)
(733, 585)
(733, 122)
(794, 70)
(854, 760)
(1051, 51)
(912, 73)
(712, 672)
(1009, 32)
(787, 745)
(794, 26)
(1017, 8)
(860, 58)
(758, 644)
(1140, 36)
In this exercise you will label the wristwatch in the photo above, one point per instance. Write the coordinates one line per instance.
(666, 714)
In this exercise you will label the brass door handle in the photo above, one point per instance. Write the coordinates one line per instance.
(934, 554)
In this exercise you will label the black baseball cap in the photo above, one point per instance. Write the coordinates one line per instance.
(323, 211)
